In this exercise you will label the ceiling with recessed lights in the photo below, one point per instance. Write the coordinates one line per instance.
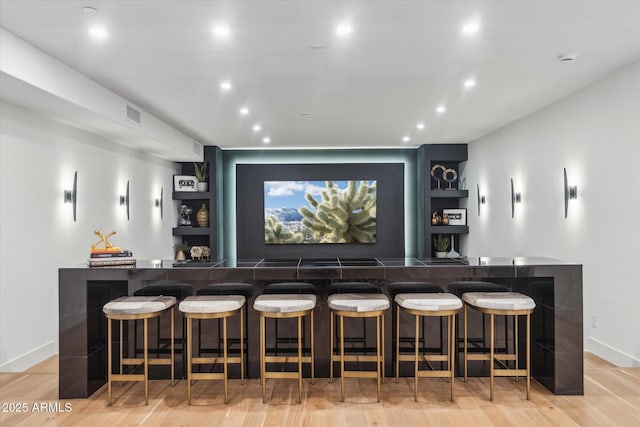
(243, 74)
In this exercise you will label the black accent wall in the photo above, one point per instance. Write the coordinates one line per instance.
(250, 180)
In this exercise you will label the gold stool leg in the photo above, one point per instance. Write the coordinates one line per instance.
(173, 347)
(242, 345)
(465, 342)
(299, 359)
(121, 336)
(378, 352)
(397, 344)
(189, 356)
(146, 360)
(528, 344)
(515, 327)
(382, 348)
(452, 354)
(224, 353)
(415, 362)
(342, 358)
(491, 361)
(313, 363)
(109, 349)
(262, 357)
(331, 348)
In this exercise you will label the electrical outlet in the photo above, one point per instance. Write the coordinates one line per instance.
(594, 320)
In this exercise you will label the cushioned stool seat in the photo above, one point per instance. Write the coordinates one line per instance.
(360, 303)
(499, 300)
(279, 306)
(396, 288)
(428, 305)
(501, 304)
(429, 301)
(360, 306)
(137, 308)
(138, 305)
(203, 307)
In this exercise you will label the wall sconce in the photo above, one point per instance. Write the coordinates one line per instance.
(70, 195)
(124, 200)
(159, 202)
(570, 193)
(481, 199)
(515, 198)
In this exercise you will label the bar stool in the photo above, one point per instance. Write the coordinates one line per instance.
(358, 306)
(224, 289)
(137, 308)
(354, 288)
(502, 304)
(298, 288)
(213, 307)
(284, 306)
(459, 289)
(168, 289)
(396, 288)
(428, 305)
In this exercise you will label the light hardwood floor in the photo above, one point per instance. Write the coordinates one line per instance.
(612, 397)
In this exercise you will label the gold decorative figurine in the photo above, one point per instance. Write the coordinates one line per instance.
(108, 247)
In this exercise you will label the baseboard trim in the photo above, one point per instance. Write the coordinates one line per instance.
(30, 358)
(611, 354)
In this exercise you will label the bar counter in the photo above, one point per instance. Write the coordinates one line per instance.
(556, 287)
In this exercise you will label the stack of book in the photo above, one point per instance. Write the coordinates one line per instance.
(111, 258)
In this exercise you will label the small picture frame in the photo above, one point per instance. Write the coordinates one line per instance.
(184, 183)
(456, 216)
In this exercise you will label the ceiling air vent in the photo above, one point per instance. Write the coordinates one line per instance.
(133, 114)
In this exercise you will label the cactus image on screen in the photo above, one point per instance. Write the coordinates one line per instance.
(320, 212)
(275, 232)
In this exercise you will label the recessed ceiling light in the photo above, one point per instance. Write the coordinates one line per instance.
(244, 111)
(344, 30)
(266, 140)
(441, 109)
(469, 83)
(568, 57)
(226, 85)
(305, 114)
(420, 126)
(470, 28)
(257, 128)
(318, 46)
(406, 139)
(221, 31)
(98, 33)
(89, 10)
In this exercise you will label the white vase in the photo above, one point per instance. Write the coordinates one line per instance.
(202, 186)
(441, 254)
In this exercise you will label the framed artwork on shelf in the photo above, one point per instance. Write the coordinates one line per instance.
(184, 183)
(456, 216)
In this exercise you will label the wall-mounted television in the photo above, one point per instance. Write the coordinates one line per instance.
(320, 212)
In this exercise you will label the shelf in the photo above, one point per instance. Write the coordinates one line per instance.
(191, 231)
(448, 229)
(449, 194)
(190, 195)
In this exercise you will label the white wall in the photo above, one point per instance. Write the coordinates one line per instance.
(37, 160)
(595, 134)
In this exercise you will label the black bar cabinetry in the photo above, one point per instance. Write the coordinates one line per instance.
(557, 343)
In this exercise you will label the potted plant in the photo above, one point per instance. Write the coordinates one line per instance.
(202, 174)
(181, 248)
(441, 243)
